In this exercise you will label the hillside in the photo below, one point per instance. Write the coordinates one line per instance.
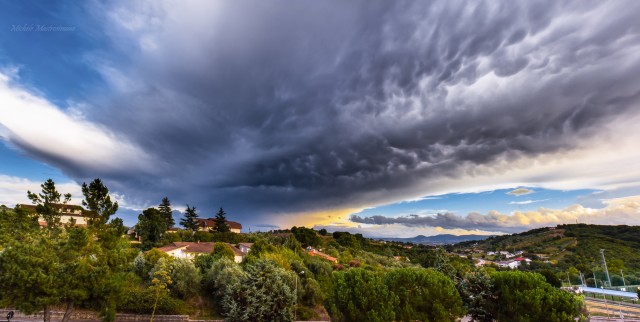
(573, 246)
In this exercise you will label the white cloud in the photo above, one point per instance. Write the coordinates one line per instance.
(401, 231)
(616, 212)
(29, 120)
(520, 192)
(13, 190)
(526, 202)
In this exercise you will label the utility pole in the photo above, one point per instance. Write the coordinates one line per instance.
(605, 266)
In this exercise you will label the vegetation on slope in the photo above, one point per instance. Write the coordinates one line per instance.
(98, 268)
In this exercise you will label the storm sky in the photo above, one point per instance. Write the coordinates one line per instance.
(308, 112)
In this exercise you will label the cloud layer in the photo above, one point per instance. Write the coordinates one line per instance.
(279, 108)
(621, 211)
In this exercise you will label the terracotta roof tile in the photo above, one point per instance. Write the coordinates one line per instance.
(211, 223)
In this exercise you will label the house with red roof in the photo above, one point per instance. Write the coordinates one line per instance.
(189, 250)
(314, 252)
(206, 224)
(68, 213)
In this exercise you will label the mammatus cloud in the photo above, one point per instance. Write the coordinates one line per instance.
(520, 192)
(618, 211)
(279, 108)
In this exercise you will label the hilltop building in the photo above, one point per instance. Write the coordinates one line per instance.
(68, 213)
(210, 224)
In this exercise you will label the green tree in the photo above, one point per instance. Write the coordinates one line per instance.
(477, 292)
(265, 293)
(167, 212)
(361, 295)
(223, 276)
(98, 201)
(221, 222)
(550, 277)
(425, 295)
(28, 275)
(65, 269)
(151, 226)
(190, 221)
(523, 296)
(17, 224)
(346, 239)
(186, 278)
(41, 272)
(79, 270)
(160, 281)
(47, 204)
(222, 250)
(204, 262)
(306, 236)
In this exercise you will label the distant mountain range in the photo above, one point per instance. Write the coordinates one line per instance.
(443, 239)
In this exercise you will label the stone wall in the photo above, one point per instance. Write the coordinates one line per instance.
(93, 316)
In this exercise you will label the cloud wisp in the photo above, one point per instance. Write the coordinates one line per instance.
(520, 192)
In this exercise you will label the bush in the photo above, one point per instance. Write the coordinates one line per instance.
(139, 300)
(185, 277)
(222, 250)
(264, 294)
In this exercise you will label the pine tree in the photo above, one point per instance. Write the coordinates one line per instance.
(221, 222)
(97, 199)
(47, 203)
(189, 221)
(150, 227)
(167, 212)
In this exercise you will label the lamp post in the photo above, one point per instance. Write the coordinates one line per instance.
(295, 306)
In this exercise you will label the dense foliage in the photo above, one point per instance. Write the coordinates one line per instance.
(566, 251)
(99, 268)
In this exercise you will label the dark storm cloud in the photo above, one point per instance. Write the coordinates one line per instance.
(277, 107)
